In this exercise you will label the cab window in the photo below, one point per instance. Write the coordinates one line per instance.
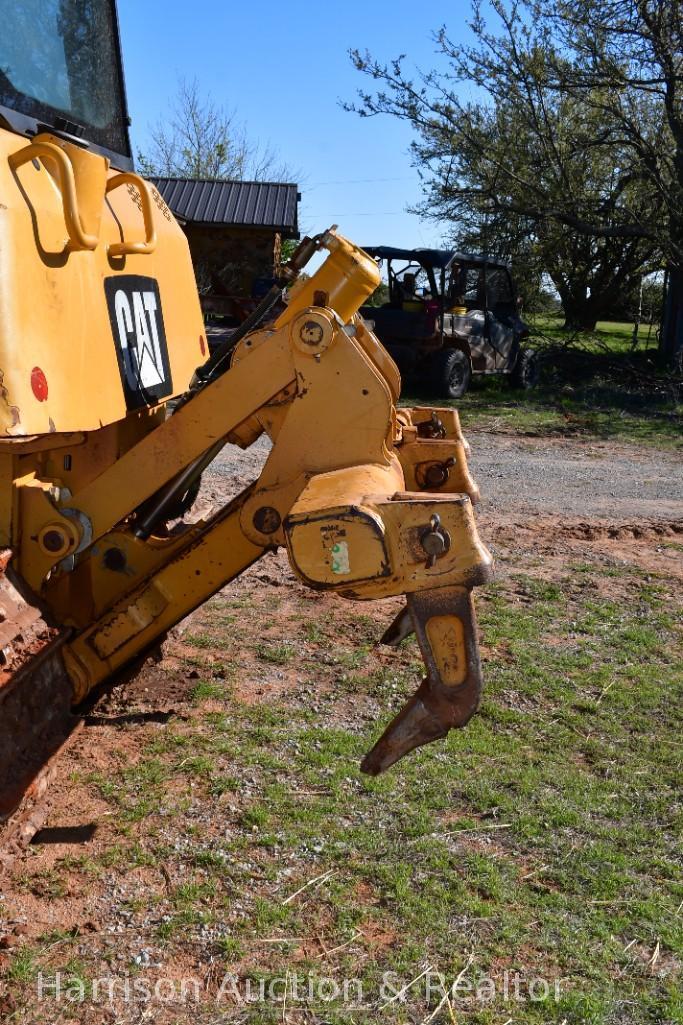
(499, 290)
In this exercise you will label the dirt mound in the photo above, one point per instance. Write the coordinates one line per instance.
(646, 530)
(619, 531)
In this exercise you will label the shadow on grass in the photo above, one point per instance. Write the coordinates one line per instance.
(594, 386)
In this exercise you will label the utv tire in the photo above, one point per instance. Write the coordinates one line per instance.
(448, 373)
(526, 372)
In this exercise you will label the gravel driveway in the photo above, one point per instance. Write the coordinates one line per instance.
(570, 477)
(557, 476)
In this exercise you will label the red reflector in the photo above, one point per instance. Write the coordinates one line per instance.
(202, 345)
(39, 384)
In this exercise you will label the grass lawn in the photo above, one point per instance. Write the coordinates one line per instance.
(541, 844)
(534, 856)
(596, 387)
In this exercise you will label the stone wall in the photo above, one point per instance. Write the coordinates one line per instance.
(226, 260)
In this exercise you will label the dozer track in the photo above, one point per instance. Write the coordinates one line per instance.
(36, 721)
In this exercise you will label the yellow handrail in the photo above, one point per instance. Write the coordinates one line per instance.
(78, 239)
(149, 245)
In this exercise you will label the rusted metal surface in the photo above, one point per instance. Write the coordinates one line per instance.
(23, 631)
(400, 628)
(430, 476)
(435, 541)
(449, 695)
(36, 724)
(35, 719)
(432, 428)
(31, 813)
(35, 715)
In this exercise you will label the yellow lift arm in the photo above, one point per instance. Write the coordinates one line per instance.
(332, 491)
(370, 501)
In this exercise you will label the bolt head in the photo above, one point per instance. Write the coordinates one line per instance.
(54, 541)
(434, 543)
(267, 519)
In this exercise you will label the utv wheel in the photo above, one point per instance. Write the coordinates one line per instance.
(526, 372)
(449, 373)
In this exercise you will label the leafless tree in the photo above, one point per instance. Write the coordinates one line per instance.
(201, 139)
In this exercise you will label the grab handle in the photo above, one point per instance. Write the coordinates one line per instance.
(78, 238)
(131, 248)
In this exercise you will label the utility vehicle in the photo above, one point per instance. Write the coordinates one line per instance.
(449, 315)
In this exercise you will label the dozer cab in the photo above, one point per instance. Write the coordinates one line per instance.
(450, 315)
(111, 407)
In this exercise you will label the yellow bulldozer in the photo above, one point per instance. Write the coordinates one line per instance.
(111, 408)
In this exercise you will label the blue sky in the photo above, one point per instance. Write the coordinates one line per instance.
(283, 69)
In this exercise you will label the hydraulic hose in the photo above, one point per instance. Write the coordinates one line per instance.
(154, 509)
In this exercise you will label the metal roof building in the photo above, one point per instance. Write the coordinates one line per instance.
(236, 204)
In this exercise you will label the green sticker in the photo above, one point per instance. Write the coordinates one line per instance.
(340, 558)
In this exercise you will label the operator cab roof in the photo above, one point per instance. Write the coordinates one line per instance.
(440, 258)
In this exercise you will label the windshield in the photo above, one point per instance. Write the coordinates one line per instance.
(409, 281)
(59, 64)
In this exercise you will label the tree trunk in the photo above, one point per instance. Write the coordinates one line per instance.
(586, 300)
(581, 310)
(671, 334)
(580, 313)
(575, 321)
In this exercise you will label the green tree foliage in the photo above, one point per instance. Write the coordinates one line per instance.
(538, 142)
(631, 53)
(625, 59)
(380, 296)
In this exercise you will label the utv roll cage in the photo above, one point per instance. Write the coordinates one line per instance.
(437, 263)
